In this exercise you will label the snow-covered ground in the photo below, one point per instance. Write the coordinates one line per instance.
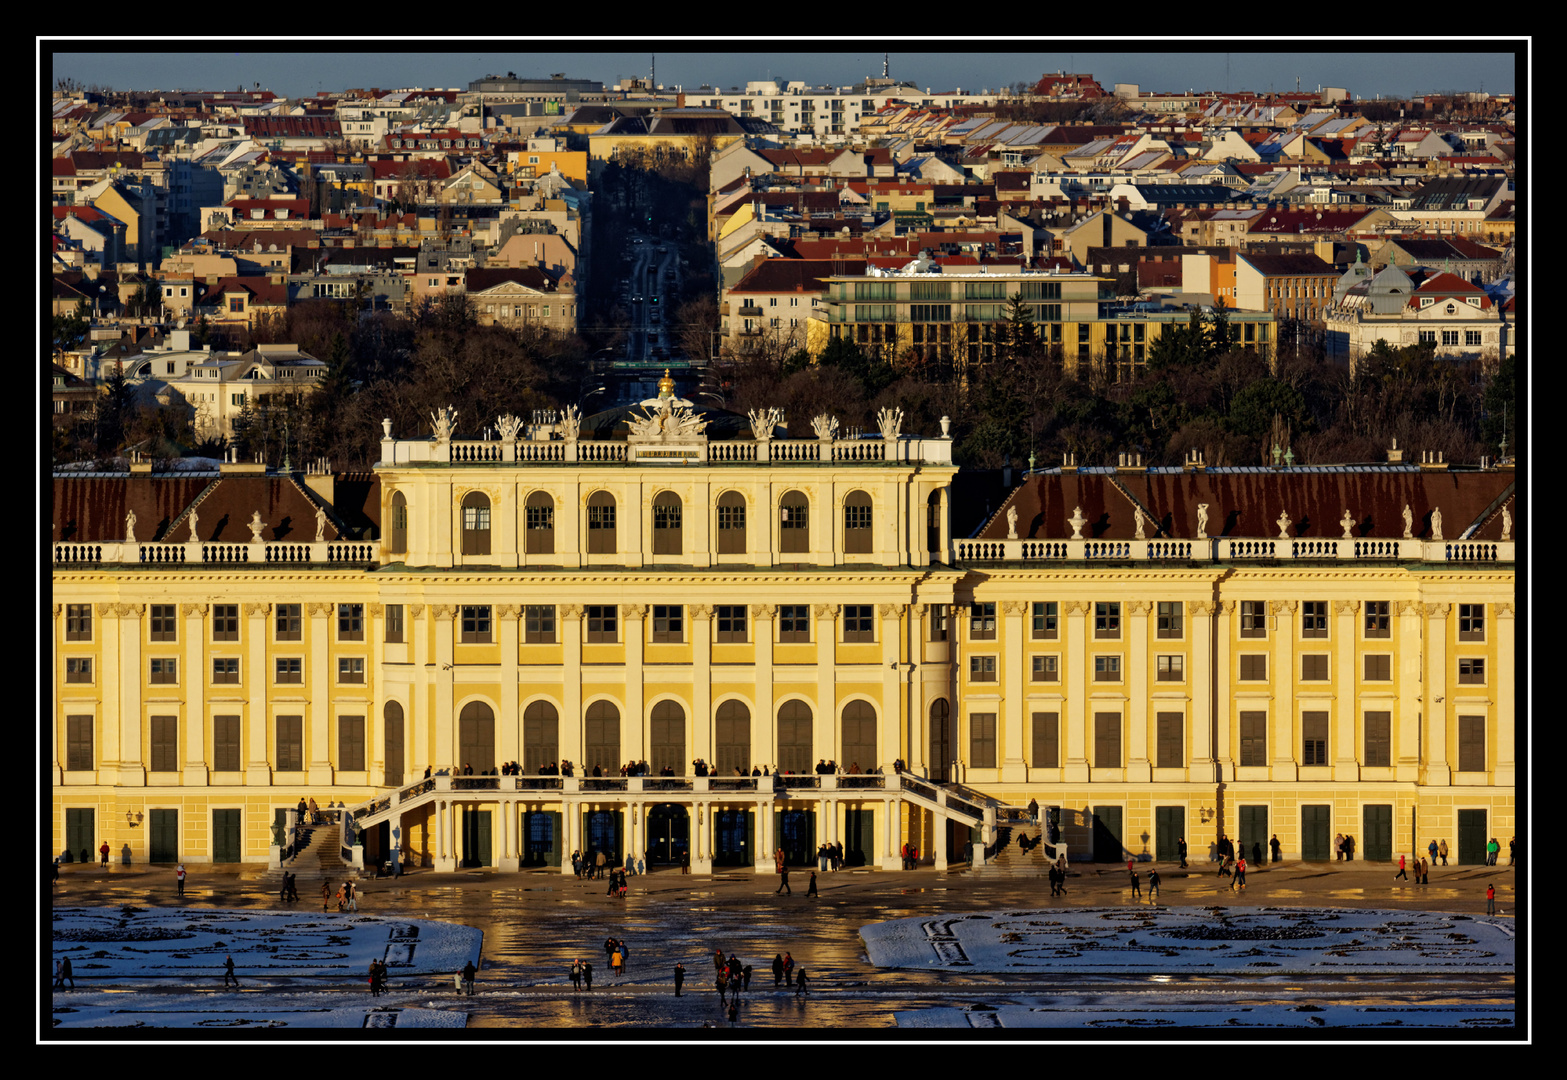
(1144, 1015)
(183, 950)
(1201, 940)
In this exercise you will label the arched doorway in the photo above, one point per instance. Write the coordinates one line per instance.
(668, 834)
(940, 740)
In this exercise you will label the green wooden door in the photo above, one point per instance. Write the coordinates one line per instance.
(796, 833)
(225, 836)
(80, 834)
(1253, 834)
(1377, 828)
(1472, 837)
(163, 836)
(1107, 834)
(1169, 825)
(1316, 833)
(475, 837)
(859, 838)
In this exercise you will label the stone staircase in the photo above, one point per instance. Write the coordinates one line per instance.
(1012, 861)
(321, 859)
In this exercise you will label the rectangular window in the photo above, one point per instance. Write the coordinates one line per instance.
(351, 669)
(164, 624)
(1254, 666)
(538, 624)
(78, 669)
(394, 624)
(1254, 738)
(731, 620)
(794, 622)
(1047, 740)
(163, 744)
(225, 744)
(1045, 620)
(982, 622)
(1471, 622)
(1471, 670)
(982, 669)
(1171, 669)
(858, 624)
(290, 669)
(225, 670)
(350, 622)
(603, 623)
(1314, 738)
(1254, 618)
(1107, 740)
(1170, 624)
(1379, 667)
(225, 622)
(1471, 337)
(669, 622)
(1471, 744)
(1314, 667)
(289, 621)
(1379, 739)
(1377, 623)
(290, 743)
(78, 743)
(1107, 620)
(1046, 669)
(982, 740)
(476, 627)
(1107, 669)
(164, 669)
(1314, 619)
(1170, 729)
(351, 743)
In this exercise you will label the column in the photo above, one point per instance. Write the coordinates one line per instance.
(764, 741)
(631, 719)
(508, 723)
(1138, 768)
(1199, 616)
(568, 832)
(318, 762)
(1438, 772)
(1345, 756)
(766, 843)
(1076, 672)
(510, 860)
(447, 753)
(701, 745)
(1224, 664)
(1281, 684)
(1501, 661)
(1410, 710)
(1014, 631)
(420, 722)
(258, 678)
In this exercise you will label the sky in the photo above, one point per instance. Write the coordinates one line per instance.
(1366, 68)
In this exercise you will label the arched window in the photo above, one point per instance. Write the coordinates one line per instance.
(933, 523)
(540, 736)
(540, 514)
(731, 523)
(940, 739)
(667, 738)
(857, 523)
(859, 735)
(475, 523)
(392, 731)
(476, 737)
(666, 524)
(398, 533)
(794, 738)
(794, 522)
(601, 737)
(601, 524)
(732, 738)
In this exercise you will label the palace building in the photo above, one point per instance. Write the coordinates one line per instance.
(1149, 653)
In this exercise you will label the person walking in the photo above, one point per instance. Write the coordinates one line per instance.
(799, 983)
(1490, 899)
(1137, 889)
(783, 883)
(1153, 884)
(680, 978)
(788, 969)
(811, 891)
(617, 964)
(778, 969)
(104, 853)
(1033, 811)
(352, 895)
(721, 983)
(734, 1010)
(468, 974)
(598, 864)
(326, 895)
(1424, 872)
(65, 975)
(1401, 873)
(1275, 847)
(1512, 854)
(685, 861)
(1432, 849)
(1441, 850)
(1338, 847)
(179, 880)
(228, 971)
(1180, 849)
(1492, 850)
(587, 975)
(576, 978)
(1240, 874)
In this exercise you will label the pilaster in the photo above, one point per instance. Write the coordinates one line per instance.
(1199, 620)
(447, 753)
(889, 727)
(1077, 671)
(1506, 644)
(764, 740)
(1408, 766)
(257, 679)
(1224, 708)
(701, 741)
(632, 720)
(824, 718)
(318, 765)
(1438, 772)
(1014, 633)
(1138, 767)
(508, 723)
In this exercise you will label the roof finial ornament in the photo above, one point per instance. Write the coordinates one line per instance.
(666, 386)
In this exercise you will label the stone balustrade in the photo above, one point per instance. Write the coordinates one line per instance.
(342, 552)
(1231, 549)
